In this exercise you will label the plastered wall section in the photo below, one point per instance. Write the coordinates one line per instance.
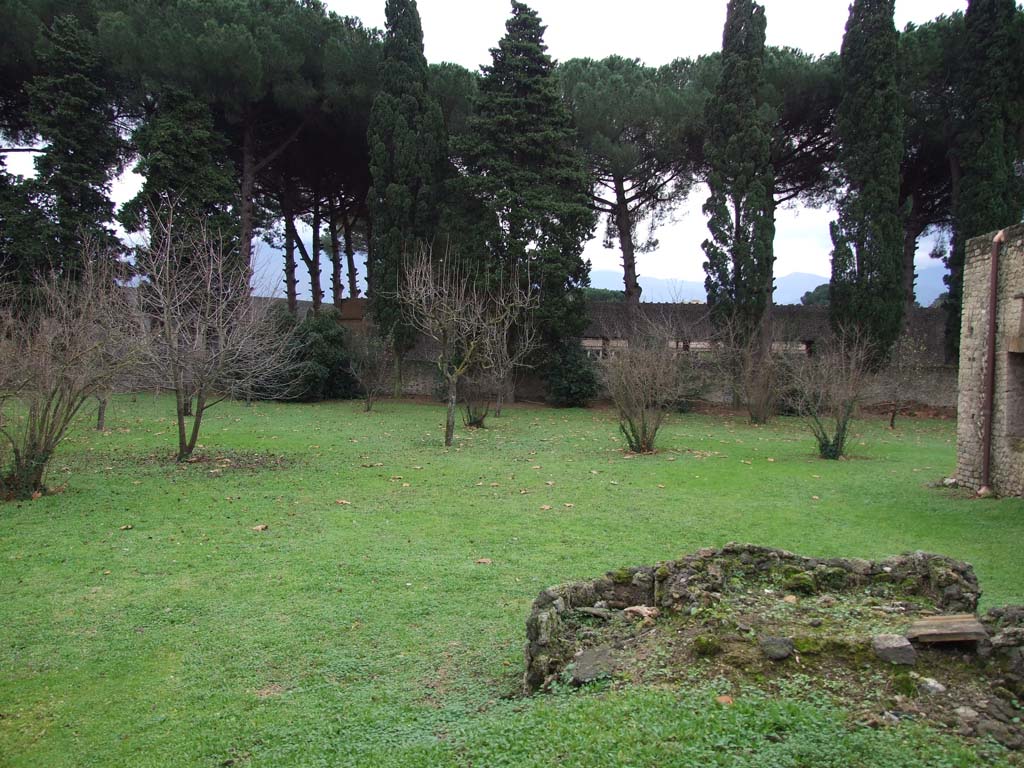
(1008, 412)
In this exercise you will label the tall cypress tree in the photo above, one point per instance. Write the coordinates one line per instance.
(71, 107)
(524, 167)
(988, 194)
(741, 209)
(866, 288)
(408, 157)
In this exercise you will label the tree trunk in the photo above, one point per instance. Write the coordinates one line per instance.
(101, 414)
(370, 276)
(350, 258)
(399, 360)
(290, 280)
(179, 402)
(449, 424)
(197, 421)
(312, 265)
(314, 269)
(248, 188)
(624, 224)
(334, 235)
(912, 229)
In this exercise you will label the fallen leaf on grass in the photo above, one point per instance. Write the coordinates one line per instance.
(549, 482)
(261, 527)
(127, 527)
(661, 485)
(568, 506)
(343, 502)
(485, 561)
(545, 507)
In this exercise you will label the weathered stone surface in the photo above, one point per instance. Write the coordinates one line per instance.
(776, 648)
(1007, 466)
(599, 613)
(895, 649)
(593, 664)
(699, 580)
(956, 628)
(930, 686)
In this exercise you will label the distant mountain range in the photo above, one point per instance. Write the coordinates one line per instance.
(788, 288)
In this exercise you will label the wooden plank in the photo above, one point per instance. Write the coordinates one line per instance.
(954, 628)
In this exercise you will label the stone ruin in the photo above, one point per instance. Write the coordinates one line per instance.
(565, 640)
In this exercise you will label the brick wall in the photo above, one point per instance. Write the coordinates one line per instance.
(1008, 414)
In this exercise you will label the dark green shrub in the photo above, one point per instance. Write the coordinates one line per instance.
(322, 358)
(570, 378)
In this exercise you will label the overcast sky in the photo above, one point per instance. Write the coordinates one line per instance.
(656, 32)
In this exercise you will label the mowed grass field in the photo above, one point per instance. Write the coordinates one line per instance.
(358, 628)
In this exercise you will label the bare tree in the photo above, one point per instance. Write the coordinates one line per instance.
(508, 343)
(372, 363)
(207, 335)
(454, 308)
(826, 389)
(747, 362)
(648, 377)
(61, 344)
(908, 362)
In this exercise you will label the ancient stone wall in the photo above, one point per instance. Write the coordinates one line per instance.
(700, 579)
(1008, 415)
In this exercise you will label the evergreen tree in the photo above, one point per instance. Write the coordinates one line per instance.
(71, 108)
(989, 195)
(741, 209)
(930, 55)
(24, 232)
(408, 160)
(629, 118)
(183, 158)
(866, 286)
(523, 166)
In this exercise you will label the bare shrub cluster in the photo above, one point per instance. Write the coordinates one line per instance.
(647, 378)
(827, 388)
(68, 340)
(371, 363)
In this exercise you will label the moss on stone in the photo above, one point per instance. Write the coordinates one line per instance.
(622, 576)
(809, 645)
(904, 684)
(833, 578)
(802, 583)
(707, 645)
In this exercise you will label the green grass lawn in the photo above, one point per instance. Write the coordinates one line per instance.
(366, 634)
